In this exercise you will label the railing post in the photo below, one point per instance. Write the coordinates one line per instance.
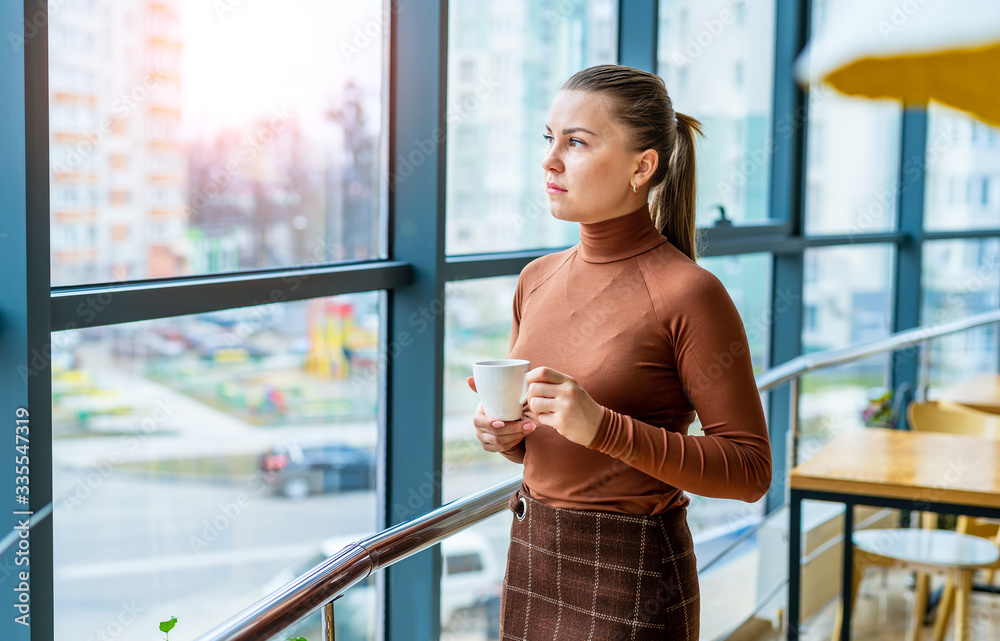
(329, 630)
(925, 370)
(793, 426)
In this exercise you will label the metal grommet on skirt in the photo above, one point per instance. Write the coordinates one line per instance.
(520, 514)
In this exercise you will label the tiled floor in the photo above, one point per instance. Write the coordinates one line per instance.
(882, 613)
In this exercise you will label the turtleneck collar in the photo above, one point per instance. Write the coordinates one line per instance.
(619, 238)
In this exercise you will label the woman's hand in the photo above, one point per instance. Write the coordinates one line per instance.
(558, 401)
(496, 435)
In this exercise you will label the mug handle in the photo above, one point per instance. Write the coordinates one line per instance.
(524, 390)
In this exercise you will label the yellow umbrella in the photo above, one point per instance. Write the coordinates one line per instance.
(915, 51)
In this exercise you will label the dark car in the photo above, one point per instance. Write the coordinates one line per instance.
(296, 472)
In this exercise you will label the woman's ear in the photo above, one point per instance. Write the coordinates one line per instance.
(648, 162)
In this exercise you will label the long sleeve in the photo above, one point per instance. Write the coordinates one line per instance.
(733, 458)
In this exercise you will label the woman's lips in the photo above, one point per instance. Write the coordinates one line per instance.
(554, 188)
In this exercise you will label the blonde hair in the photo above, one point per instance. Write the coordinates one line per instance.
(639, 101)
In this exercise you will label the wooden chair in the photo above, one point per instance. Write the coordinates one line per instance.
(952, 418)
(955, 555)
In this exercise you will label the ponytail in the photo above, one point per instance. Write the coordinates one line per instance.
(673, 206)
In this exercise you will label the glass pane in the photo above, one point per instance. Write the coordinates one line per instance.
(714, 522)
(963, 172)
(201, 462)
(960, 278)
(848, 300)
(506, 61)
(202, 137)
(747, 278)
(717, 58)
(478, 315)
(852, 155)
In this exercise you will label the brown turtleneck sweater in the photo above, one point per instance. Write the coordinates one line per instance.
(654, 338)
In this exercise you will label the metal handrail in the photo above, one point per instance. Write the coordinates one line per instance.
(314, 589)
(907, 338)
(327, 581)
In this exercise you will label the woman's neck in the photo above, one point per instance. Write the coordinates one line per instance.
(619, 238)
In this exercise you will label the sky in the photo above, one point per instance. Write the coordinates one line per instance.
(244, 58)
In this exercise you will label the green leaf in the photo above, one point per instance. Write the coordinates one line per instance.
(168, 625)
(296, 639)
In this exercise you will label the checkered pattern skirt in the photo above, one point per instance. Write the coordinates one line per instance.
(576, 574)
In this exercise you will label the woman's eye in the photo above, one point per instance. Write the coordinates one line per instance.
(576, 142)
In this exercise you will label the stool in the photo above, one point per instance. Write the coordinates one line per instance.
(957, 556)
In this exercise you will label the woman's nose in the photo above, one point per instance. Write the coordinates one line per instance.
(551, 161)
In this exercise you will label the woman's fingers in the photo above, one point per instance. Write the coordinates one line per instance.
(496, 435)
(541, 405)
(510, 427)
(547, 390)
(472, 383)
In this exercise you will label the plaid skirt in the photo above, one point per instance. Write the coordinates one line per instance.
(578, 574)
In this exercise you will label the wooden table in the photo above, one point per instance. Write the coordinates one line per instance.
(899, 469)
(981, 393)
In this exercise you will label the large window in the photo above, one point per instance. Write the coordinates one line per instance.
(717, 59)
(847, 300)
(201, 138)
(207, 445)
(852, 161)
(960, 278)
(203, 461)
(963, 172)
(506, 61)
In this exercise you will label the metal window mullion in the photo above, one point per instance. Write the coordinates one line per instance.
(911, 179)
(25, 337)
(98, 305)
(785, 198)
(415, 319)
(638, 27)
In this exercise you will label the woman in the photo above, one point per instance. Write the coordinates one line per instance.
(628, 338)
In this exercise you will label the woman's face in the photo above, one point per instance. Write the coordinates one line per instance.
(589, 169)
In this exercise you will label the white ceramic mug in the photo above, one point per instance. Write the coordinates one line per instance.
(502, 387)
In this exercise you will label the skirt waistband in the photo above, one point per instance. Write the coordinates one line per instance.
(522, 504)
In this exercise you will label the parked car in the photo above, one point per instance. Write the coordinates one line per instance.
(296, 472)
(470, 582)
